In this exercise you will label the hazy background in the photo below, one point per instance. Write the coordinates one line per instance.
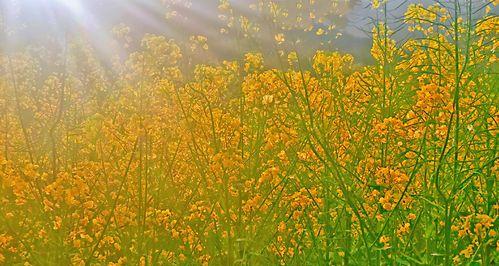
(29, 22)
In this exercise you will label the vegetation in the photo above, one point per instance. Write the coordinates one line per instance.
(150, 158)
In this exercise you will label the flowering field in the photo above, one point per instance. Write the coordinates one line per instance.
(162, 152)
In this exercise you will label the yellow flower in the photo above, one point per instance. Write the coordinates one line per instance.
(279, 38)
(267, 99)
(385, 240)
(467, 252)
(57, 223)
(282, 226)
